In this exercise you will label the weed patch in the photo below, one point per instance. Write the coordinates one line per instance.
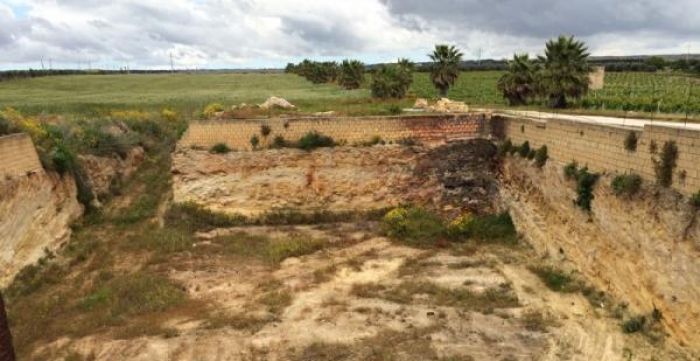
(626, 185)
(556, 279)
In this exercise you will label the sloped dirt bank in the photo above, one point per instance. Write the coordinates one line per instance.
(643, 251)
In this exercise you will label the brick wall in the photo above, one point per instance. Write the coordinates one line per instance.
(426, 128)
(601, 147)
(17, 155)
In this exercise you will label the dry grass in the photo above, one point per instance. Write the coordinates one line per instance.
(405, 292)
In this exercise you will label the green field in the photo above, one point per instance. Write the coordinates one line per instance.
(95, 95)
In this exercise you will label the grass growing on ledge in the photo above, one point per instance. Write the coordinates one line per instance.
(501, 297)
(420, 227)
(626, 184)
(556, 279)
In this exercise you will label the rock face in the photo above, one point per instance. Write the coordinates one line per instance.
(336, 179)
(642, 250)
(103, 171)
(35, 214)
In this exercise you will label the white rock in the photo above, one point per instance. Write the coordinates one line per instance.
(275, 102)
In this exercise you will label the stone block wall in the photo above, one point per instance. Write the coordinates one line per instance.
(601, 147)
(425, 128)
(18, 156)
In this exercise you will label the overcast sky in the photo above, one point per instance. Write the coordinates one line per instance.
(270, 33)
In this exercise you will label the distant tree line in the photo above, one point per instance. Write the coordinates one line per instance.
(35, 73)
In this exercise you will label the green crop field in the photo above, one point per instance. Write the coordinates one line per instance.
(94, 95)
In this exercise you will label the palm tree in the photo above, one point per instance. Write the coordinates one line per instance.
(445, 67)
(7, 352)
(352, 74)
(564, 70)
(519, 83)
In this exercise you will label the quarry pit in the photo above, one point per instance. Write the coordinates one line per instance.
(349, 291)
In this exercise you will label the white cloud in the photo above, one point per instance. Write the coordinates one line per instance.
(249, 33)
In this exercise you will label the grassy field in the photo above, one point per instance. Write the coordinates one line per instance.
(97, 95)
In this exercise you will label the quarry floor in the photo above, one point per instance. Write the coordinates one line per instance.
(326, 306)
(358, 295)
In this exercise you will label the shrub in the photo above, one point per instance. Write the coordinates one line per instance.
(664, 166)
(408, 142)
(631, 141)
(279, 142)
(394, 109)
(524, 149)
(695, 200)
(254, 141)
(211, 110)
(627, 184)
(585, 181)
(653, 148)
(541, 156)
(414, 226)
(352, 74)
(314, 139)
(556, 279)
(391, 81)
(265, 130)
(220, 148)
(571, 170)
(169, 115)
(488, 228)
(531, 154)
(634, 324)
(505, 147)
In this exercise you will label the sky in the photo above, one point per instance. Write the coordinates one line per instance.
(147, 34)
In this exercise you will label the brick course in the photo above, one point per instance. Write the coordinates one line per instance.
(18, 156)
(601, 147)
(426, 128)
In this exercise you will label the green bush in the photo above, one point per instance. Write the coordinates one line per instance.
(571, 170)
(314, 139)
(531, 154)
(634, 324)
(524, 149)
(394, 109)
(391, 81)
(211, 109)
(254, 141)
(631, 141)
(505, 147)
(585, 181)
(541, 156)
(695, 200)
(414, 226)
(664, 166)
(627, 184)
(220, 148)
(279, 142)
(486, 229)
(352, 74)
(556, 279)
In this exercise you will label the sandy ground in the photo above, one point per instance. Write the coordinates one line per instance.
(325, 318)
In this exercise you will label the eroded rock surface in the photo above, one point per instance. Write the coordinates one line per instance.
(36, 211)
(642, 250)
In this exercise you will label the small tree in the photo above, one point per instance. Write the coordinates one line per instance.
(352, 74)
(391, 81)
(254, 141)
(445, 70)
(518, 84)
(564, 71)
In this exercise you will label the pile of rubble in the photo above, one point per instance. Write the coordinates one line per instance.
(443, 105)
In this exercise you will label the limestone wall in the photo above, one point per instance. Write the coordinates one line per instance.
(601, 147)
(426, 128)
(17, 155)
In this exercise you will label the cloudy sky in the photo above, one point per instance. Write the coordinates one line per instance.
(270, 33)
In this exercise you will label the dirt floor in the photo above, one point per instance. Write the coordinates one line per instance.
(324, 291)
(363, 297)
